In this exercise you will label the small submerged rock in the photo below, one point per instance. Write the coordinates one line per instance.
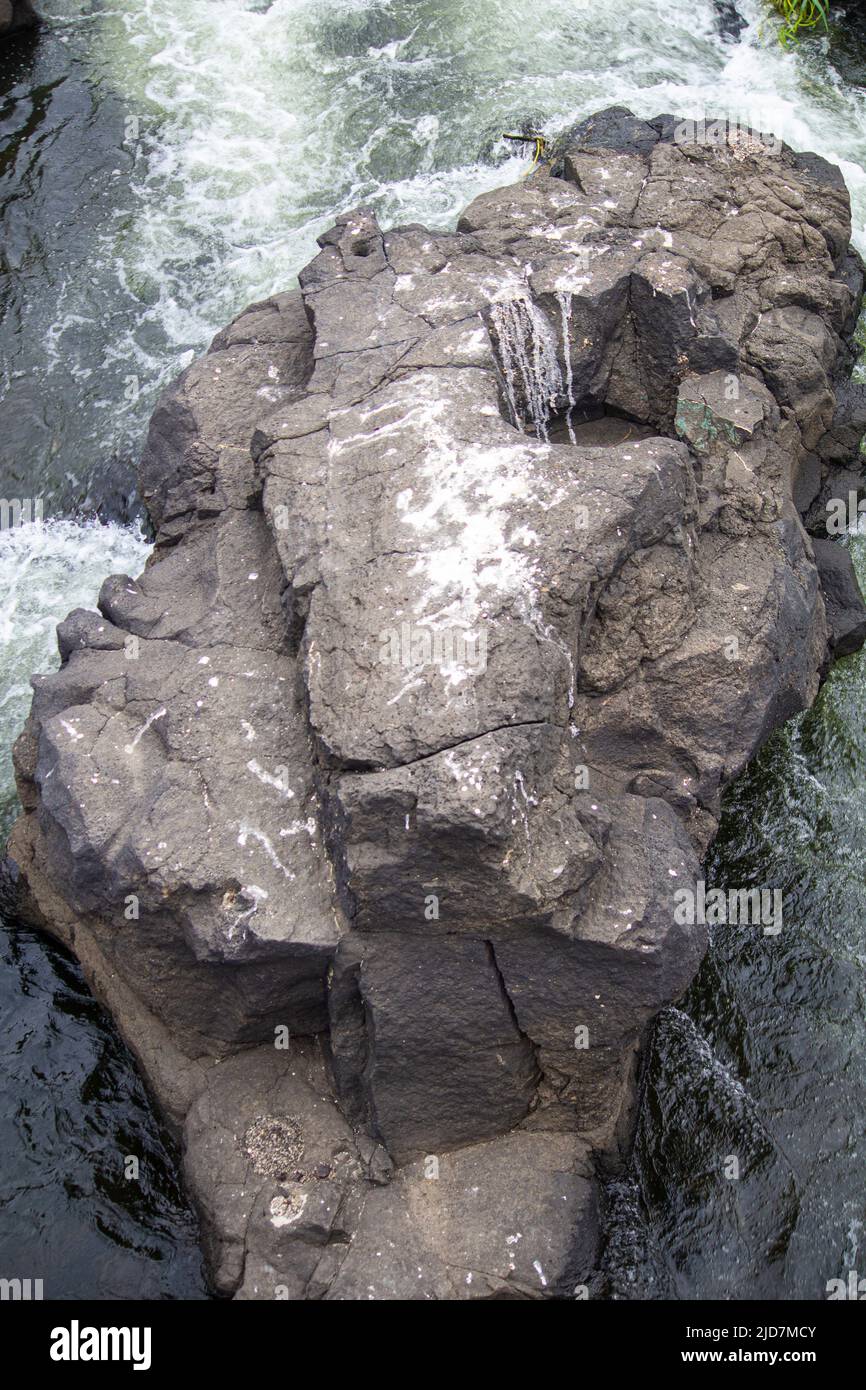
(729, 20)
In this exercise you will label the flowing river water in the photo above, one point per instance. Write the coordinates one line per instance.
(164, 162)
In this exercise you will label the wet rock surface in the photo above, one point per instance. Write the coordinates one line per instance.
(847, 42)
(16, 15)
(478, 576)
(729, 22)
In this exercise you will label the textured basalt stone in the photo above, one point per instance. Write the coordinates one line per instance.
(479, 574)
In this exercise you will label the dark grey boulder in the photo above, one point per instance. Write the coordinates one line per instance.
(842, 597)
(479, 573)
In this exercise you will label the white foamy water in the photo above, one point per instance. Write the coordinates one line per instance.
(45, 571)
(254, 123)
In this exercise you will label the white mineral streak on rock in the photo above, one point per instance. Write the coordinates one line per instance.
(286, 1210)
(413, 683)
(269, 779)
(473, 558)
(151, 719)
(298, 825)
(522, 801)
(564, 298)
(247, 832)
(254, 895)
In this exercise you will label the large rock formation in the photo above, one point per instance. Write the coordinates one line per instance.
(478, 575)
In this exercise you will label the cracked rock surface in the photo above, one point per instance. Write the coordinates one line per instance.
(479, 573)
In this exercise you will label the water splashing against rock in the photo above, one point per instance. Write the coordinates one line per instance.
(527, 356)
(564, 299)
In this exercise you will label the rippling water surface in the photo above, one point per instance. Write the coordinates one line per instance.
(72, 1107)
(162, 163)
